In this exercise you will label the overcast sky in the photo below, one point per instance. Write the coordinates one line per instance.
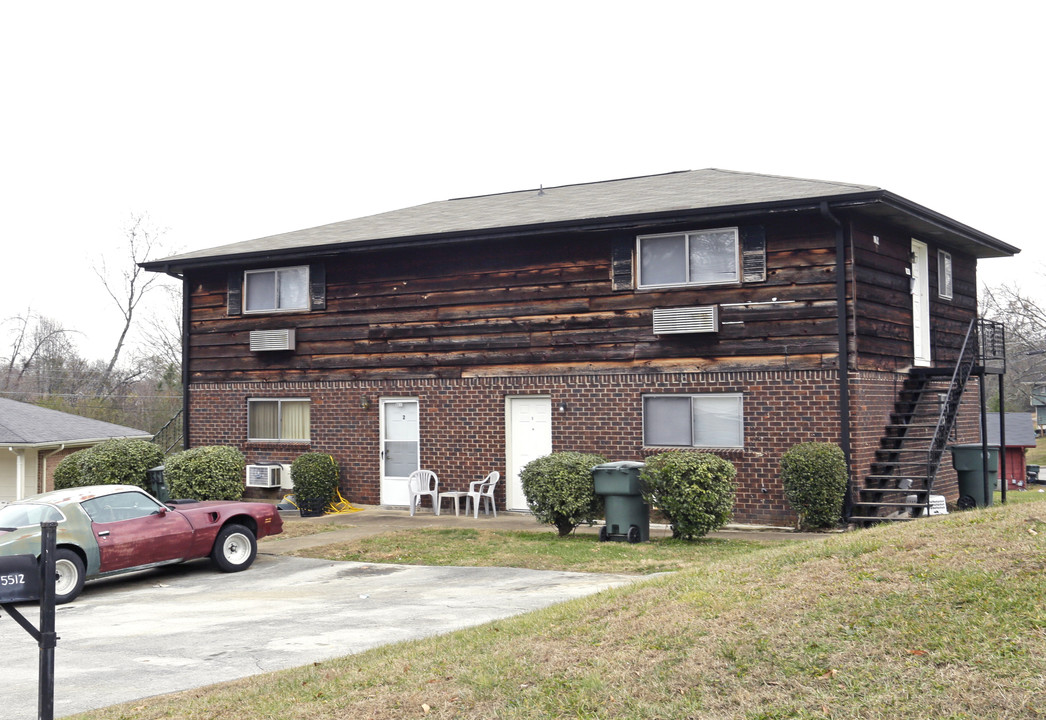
(226, 121)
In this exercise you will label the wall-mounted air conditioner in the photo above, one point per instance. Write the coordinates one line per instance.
(701, 319)
(264, 340)
(264, 476)
(286, 481)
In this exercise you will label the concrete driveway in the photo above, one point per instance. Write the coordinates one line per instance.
(161, 631)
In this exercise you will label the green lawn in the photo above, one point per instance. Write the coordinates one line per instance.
(937, 618)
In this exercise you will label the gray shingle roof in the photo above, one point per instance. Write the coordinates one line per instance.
(585, 204)
(695, 189)
(24, 424)
(1020, 429)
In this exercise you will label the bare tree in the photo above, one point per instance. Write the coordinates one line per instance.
(128, 287)
(1025, 323)
(34, 337)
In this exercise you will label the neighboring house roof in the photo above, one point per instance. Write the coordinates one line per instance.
(613, 203)
(1020, 429)
(25, 425)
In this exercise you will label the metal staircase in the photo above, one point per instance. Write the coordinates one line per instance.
(923, 420)
(169, 437)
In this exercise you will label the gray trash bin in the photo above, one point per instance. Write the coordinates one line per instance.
(969, 466)
(627, 516)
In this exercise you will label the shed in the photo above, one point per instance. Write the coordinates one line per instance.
(1020, 435)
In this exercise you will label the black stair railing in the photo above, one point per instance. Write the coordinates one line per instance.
(983, 346)
(169, 436)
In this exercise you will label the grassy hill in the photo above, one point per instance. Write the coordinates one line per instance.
(940, 618)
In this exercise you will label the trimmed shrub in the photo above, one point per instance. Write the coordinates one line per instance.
(315, 478)
(814, 476)
(214, 472)
(113, 462)
(695, 491)
(69, 471)
(560, 490)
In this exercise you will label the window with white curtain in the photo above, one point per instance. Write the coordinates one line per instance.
(703, 257)
(276, 289)
(713, 420)
(278, 419)
(944, 274)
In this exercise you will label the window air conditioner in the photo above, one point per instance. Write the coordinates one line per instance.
(264, 476)
(264, 340)
(702, 319)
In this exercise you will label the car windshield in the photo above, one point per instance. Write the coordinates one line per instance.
(20, 515)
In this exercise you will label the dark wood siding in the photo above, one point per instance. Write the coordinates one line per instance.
(545, 305)
(883, 300)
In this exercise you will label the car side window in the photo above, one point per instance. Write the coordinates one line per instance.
(120, 506)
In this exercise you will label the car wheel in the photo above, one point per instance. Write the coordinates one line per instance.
(68, 575)
(234, 549)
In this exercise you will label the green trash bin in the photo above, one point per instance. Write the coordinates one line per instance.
(969, 466)
(627, 516)
(157, 485)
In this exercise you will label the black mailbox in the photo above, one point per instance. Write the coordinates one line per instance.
(19, 579)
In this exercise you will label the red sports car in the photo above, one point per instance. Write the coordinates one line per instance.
(108, 529)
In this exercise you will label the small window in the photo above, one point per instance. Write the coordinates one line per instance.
(277, 289)
(704, 257)
(278, 420)
(705, 421)
(944, 274)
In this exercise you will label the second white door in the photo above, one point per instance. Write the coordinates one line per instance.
(529, 436)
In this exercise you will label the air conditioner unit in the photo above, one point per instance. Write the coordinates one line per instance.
(264, 476)
(286, 481)
(672, 321)
(264, 340)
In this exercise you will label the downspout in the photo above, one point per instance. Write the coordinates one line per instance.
(844, 349)
(185, 353)
(185, 362)
(44, 469)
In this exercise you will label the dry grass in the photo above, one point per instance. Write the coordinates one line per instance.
(942, 618)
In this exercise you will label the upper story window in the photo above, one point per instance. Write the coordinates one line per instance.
(712, 420)
(278, 419)
(702, 257)
(276, 289)
(944, 274)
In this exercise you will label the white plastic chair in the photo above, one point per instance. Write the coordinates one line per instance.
(422, 483)
(480, 490)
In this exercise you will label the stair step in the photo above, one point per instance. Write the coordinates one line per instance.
(889, 504)
(887, 518)
(910, 491)
(890, 478)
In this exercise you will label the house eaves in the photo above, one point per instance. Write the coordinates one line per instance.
(693, 196)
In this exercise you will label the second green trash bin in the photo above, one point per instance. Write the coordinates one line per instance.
(627, 516)
(969, 466)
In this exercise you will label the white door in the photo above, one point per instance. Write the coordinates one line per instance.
(920, 304)
(400, 451)
(529, 436)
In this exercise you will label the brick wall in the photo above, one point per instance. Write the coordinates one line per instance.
(462, 424)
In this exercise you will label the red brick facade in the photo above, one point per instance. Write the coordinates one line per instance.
(463, 434)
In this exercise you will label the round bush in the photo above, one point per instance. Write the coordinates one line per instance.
(560, 490)
(814, 476)
(69, 472)
(315, 477)
(214, 472)
(117, 462)
(695, 491)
